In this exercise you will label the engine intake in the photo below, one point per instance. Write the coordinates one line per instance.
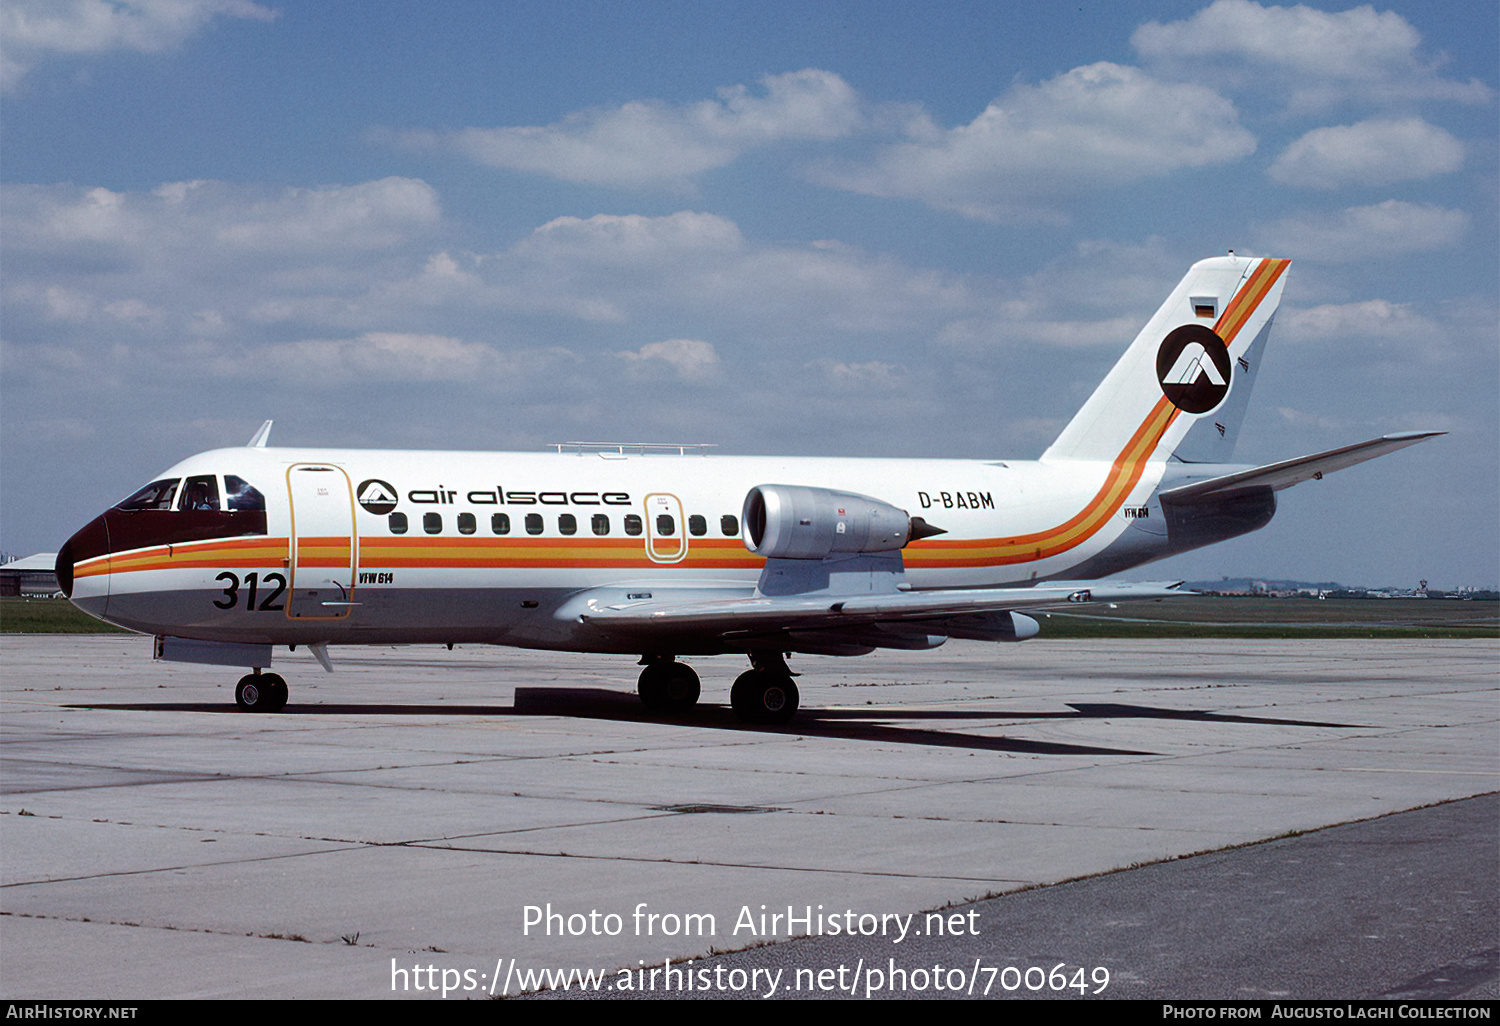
(796, 522)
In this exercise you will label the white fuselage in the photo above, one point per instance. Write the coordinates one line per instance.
(387, 546)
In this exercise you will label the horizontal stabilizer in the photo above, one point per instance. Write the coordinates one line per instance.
(1277, 476)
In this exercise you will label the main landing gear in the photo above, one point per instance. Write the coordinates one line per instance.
(764, 693)
(667, 686)
(261, 692)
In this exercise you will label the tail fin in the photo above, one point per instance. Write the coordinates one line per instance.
(1183, 385)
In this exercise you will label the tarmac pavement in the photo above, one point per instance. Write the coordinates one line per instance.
(410, 821)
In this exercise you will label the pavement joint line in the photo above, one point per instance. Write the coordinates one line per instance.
(176, 869)
(823, 870)
(292, 938)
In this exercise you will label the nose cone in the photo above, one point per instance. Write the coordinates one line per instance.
(89, 543)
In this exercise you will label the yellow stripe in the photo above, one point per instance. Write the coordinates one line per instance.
(518, 553)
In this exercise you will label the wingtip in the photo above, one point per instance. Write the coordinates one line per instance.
(1411, 436)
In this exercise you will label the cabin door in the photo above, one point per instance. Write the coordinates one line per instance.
(323, 542)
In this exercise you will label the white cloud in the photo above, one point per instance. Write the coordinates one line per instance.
(1374, 152)
(633, 239)
(649, 143)
(688, 359)
(194, 224)
(32, 31)
(1317, 58)
(622, 268)
(1094, 127)
(383, 357)
(1390, 336)
(354, 282)
(864, 377)
(377, 354)
(1304, 419)
(1365, 320)
(1096, 297)
(1365, 233)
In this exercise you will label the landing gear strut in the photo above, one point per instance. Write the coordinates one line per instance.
(765, 693)
(667, 686)
(261, 692)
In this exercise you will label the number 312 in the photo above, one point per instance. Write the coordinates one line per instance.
(252, 582)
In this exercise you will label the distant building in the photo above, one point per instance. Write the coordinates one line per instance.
(32, 577)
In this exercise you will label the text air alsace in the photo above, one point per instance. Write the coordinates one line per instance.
(498, 496)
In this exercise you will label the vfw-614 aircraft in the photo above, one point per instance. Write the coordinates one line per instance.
(629, 549)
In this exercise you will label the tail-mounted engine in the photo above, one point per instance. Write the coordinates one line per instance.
(795, 522)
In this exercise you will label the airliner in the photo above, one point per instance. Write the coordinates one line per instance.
(663, 551)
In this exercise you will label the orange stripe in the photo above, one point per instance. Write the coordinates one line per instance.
(234, 552)
(1248, 299)
(1124, 474)
(604, 553)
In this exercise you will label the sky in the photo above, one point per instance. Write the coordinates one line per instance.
(859, 228)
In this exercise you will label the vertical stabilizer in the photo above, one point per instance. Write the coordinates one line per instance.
(1183, 385)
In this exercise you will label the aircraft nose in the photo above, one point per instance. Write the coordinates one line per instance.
(91, 541)
(64, 568)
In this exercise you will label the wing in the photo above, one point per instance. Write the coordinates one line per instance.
(838, 623)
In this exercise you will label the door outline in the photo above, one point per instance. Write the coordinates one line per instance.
(325, 548)
(661, 548)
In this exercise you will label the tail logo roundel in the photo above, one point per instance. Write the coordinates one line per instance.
(1192, 365)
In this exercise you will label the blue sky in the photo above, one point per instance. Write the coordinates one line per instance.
(836, 228)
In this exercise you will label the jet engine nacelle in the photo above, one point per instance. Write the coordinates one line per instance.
(795, 522)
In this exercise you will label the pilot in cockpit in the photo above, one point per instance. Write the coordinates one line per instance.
(200, 493)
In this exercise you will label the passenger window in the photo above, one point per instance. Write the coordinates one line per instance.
(156, 495)
(240, 495)
(201, 492)
(600, 523)
(567, 523)
(632, 524)
(533, 523)
(665, 525)
(500, 523)
(432, 523)
(729, 525)
(466, 523)
(697, 526)
(398, 523)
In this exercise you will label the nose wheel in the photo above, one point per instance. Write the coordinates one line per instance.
(261, 692)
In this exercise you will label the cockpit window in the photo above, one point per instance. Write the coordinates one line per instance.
(156, 495)
(201, 492)
(239, 495)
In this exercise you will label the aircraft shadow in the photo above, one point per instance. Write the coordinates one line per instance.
(883, 724)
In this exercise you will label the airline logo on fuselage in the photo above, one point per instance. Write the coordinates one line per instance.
(1192, 366)
(377, 496)
(380, 497)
